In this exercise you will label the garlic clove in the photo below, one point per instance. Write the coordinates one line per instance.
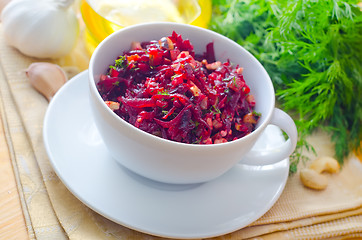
(46, 78)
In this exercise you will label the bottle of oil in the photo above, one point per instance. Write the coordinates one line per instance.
(103, 17)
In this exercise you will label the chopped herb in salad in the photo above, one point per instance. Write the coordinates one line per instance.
(164, 88)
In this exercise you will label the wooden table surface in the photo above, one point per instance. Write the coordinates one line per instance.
(12, 222)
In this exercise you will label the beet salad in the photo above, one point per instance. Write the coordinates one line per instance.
(162, 87)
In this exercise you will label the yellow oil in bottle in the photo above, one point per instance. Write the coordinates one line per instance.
(103, 17)
(205, 15)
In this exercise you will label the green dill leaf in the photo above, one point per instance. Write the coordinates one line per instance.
(165, 92)
(256, 114)
(215, 110)
(121, 62)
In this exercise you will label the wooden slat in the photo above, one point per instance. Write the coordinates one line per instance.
(12, 223)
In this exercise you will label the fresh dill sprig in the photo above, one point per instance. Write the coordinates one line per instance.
(312, 50)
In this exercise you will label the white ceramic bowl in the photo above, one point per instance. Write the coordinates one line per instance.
(172, 162)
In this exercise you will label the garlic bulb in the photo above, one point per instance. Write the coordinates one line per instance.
(40, 28)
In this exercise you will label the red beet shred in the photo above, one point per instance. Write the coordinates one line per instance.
(164, 88)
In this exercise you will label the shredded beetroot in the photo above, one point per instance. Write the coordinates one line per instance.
(163, 88)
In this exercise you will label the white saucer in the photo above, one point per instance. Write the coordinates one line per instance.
(81, 161)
